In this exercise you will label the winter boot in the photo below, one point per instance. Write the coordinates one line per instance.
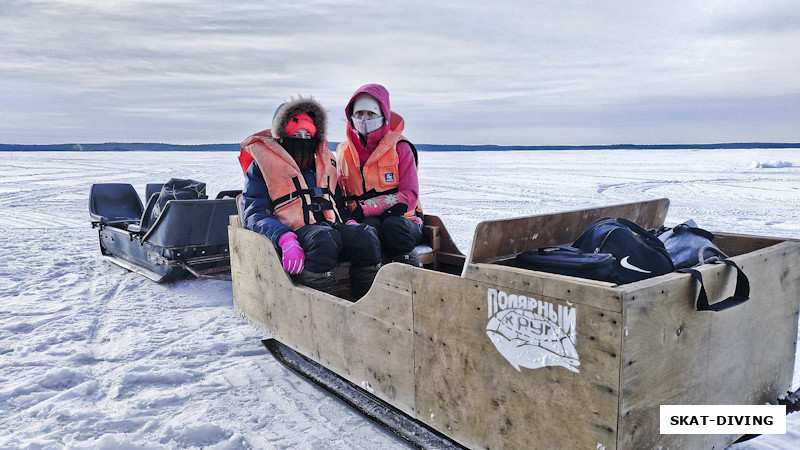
(321, 281)
(411, 258)
(361, 279)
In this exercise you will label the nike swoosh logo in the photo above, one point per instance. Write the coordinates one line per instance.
(624, 263)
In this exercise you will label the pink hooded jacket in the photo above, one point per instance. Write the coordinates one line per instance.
(408, 188)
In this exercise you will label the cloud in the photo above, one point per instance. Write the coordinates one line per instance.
(461, 72)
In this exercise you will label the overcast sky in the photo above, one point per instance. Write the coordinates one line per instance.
(567, 72)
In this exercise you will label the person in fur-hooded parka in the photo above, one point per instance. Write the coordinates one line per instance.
(291, 195)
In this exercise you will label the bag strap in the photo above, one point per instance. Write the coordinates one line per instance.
(740, 295)
(684, 227)
(559, 248)
(649, 237)
(718, 255)
(694, 230)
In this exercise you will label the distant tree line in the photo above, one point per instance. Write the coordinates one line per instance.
(155, 147)
(120, 147)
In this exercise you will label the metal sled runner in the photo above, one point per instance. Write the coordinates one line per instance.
(495, 356)
(189, 236)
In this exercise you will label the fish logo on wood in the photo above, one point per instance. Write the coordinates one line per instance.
(532, 333)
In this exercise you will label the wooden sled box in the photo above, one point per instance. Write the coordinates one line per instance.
(495, 356)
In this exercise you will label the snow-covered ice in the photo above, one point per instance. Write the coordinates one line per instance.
(770, 164)
(93, 356)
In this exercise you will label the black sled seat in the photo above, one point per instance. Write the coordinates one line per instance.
(191, 224)
(114, 204)
(152, 188)
(188, 235)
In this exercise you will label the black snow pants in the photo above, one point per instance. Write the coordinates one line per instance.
(327, 244)
(397, 234)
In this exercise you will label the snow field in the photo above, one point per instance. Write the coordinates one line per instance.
(92, 356)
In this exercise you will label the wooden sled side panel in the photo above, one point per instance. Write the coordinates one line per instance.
(740, 356)
(504, 238)
(369, 343)
(469, 390)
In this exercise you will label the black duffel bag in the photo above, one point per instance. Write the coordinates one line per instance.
(565, 260)
(178, 189)
(638, 253)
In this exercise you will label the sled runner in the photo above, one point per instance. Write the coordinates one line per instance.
(187, 236)
(495, 356)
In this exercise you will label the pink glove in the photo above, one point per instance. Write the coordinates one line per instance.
(374, 207)
(293, 256)
(351, 222)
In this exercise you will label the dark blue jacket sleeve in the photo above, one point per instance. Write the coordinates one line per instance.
(258, 206)
(338, 197)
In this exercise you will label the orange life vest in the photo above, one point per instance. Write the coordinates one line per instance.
(379, 175)
(291, 197)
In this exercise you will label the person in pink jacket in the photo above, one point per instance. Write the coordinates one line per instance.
(378, 173)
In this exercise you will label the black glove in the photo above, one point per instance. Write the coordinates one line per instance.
(397, 209)
(358, 213)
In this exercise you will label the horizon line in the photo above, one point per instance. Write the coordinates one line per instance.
(232, 146)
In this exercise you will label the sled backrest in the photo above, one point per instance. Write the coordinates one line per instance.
(497, 240)
(114, 203)
(185, 223)
(147, 215)
(152, 188)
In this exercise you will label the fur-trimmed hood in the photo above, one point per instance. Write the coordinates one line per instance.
(295, 106)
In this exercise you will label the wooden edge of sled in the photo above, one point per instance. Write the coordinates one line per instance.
(505, 238)
(327, 329)
(441, 242)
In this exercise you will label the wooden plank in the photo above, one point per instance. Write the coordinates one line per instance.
(674, 354)
(764, 329)
(431, 235)
(446, 243)
(450, 263)
(738, 244)
(664, 358)
(507, 237)
(597, 294)
(369, 342)
(467, 389)
(234, 221)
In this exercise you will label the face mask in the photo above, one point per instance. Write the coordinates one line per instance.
(367, 126)
(302, 150)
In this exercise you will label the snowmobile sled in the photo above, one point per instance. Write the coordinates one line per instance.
(167, 238)
(486, 354)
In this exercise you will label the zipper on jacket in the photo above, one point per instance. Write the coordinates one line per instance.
(363, 179)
